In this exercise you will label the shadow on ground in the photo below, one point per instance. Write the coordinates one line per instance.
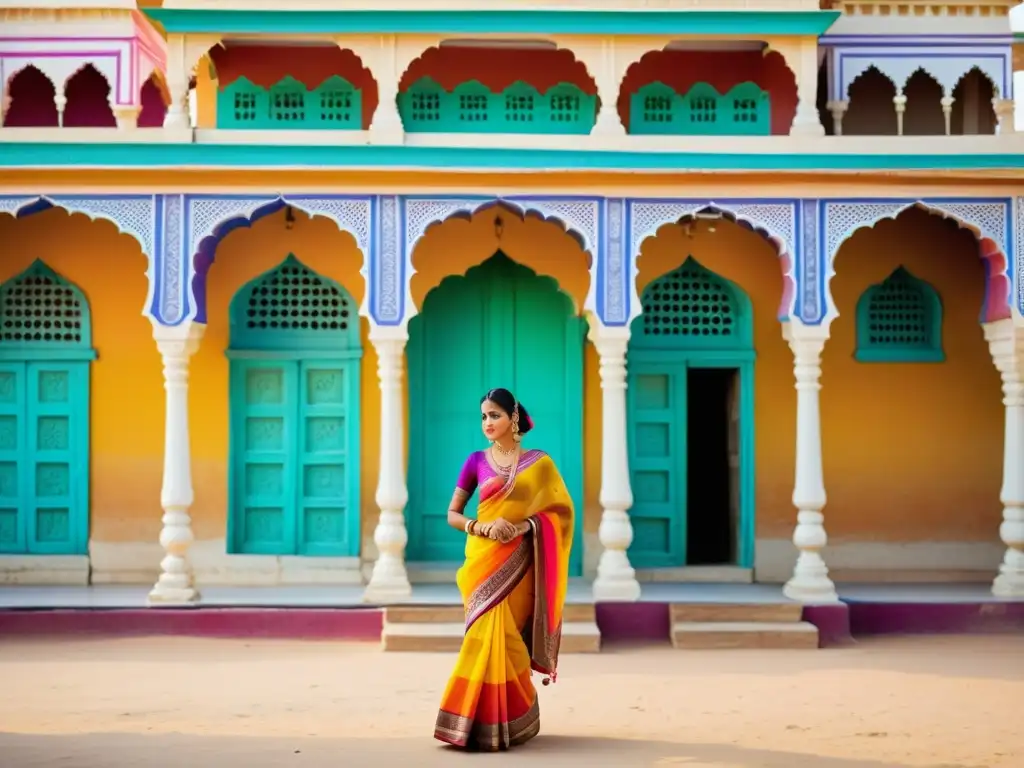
(121, 750)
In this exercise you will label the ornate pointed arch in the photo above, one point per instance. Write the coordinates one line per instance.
(210, 218)
(989, 219)
(774, 220)
(133, 215)
(579, 217)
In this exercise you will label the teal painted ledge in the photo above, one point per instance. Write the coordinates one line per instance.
(527, 22)
(317, 157)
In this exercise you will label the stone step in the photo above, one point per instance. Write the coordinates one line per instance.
(721, 635)
(446, 637)
(730, 612)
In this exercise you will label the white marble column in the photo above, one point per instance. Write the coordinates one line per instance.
(838, 110)
(606, 61)
(810, 582)
(175, 587)
(126, 115)
(802, 59)
(1006, 343)
(616, 579)
(389, 581)
(387, 57)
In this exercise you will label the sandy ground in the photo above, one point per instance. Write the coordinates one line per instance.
(177, 702)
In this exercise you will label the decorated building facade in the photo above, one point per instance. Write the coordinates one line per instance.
(754, 267)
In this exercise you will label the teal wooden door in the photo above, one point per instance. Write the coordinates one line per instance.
(656, 403)
(264, 445)
(327, 437)
(44, 449)
(500, 325)
(45, 355)
(295, 371)
(692, 318)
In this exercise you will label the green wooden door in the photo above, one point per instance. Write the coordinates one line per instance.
(45, 353)
(327, 500)
(44, 449)
(264, 436)
(295, 369)
(656, 403)
(692, 318)
(500, 325)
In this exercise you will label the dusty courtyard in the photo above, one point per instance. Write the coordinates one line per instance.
(177, 702)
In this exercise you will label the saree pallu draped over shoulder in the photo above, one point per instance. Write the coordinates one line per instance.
(513, 594)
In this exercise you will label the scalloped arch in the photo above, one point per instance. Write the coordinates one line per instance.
(577, 218)
(434, 50)
(774, 221)
(996, 90)
(871, 69)
(132, 215)
(10, 76)
(214, 217)
(845, 219)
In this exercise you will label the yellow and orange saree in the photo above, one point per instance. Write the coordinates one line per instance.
(513, 594)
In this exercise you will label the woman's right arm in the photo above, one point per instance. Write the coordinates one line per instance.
(464, 488)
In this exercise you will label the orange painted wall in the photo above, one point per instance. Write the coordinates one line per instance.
(266, 65)
(243, 255)
(127, 403)
(721, 69)
(912, 452)
(745, 258)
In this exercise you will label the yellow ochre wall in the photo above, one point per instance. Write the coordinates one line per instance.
(912, 452)
(127, 395)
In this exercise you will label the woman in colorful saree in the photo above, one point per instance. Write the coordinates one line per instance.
(513, 584)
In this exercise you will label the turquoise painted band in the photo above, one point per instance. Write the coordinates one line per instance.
(479, 21)
(40, 155)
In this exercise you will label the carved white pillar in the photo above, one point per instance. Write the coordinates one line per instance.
(802, 58)
(389, 581)
(810, 582)
(616, 579)
(1004, 109)
(60, 101)
(387, 57)
(175, 587)
(947, 112)
(180, 53)
(899, 102)
(838, 110)
(1006, 342)
(127, 115)
(607, 64)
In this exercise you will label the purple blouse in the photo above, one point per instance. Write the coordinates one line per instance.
(476, 471)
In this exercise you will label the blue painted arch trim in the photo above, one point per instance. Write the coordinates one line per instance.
(483, 21)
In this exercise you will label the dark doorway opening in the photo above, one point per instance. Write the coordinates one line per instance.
(712, 498)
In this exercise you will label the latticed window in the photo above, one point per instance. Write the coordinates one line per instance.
(334, 104)
(899, 321)
(657, 109)
(693, 307)
(288, 302)
(40, 308)
(471, 108)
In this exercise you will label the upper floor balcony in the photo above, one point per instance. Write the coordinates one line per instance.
(750, 77)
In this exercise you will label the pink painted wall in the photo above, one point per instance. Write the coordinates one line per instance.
(88, 106)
